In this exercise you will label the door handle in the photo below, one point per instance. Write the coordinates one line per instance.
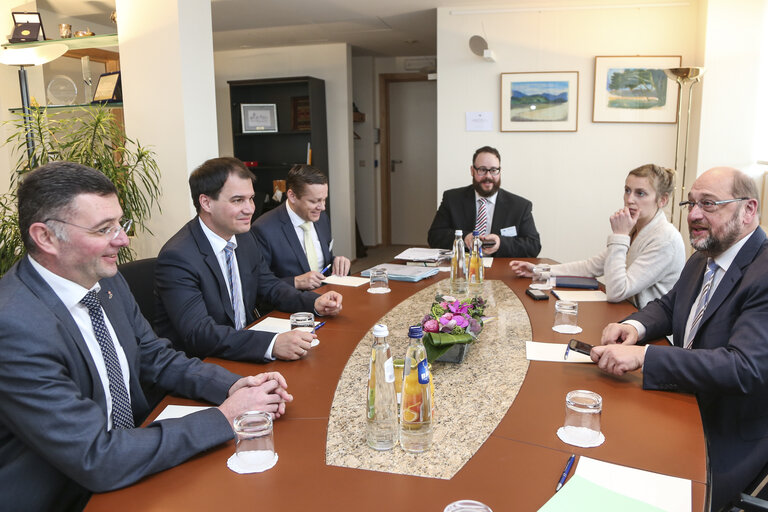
(393, 163)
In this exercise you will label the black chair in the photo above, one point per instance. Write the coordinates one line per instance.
(140, 275)
(753, 499)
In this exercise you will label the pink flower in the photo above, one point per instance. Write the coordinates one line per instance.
(431, 325)
(461, 320)
(446, 318)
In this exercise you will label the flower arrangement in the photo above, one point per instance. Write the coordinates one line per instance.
(451, 321)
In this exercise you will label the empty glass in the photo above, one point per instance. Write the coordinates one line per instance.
(379, 281)
(582, 418)
(541, 279)
(255, 445)
(566, 317)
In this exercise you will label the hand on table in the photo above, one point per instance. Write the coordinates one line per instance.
(308, 281)
(292, 345)
(618, 359)
(521, 268)
(328, 304)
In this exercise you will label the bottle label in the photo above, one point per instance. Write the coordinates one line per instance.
(389, 370)
(423, 369)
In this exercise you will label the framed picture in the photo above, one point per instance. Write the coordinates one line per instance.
(300, 117)
(540, 102)
(27, 26)
(634, 89)
(259, 117)
(108, 88)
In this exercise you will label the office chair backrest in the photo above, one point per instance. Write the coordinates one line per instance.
(140, 275)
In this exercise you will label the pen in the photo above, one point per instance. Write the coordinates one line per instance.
(326, 269)
(318, 326)
(565, 472)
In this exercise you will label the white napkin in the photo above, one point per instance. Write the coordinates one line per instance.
(253, 462)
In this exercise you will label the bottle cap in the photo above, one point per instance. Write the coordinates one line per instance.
(380, 331)
(475, 233)
(415, 331)
(458, 232)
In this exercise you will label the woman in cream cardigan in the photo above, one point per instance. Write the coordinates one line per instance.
(645, 254)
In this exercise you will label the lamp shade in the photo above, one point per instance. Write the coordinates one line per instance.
(32, 56)
(684, 74)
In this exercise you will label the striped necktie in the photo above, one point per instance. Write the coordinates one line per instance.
(309, 246)
(234, 290)
(709, 278)
(482, 216)
(122, 415)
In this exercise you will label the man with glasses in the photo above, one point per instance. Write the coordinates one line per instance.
(717, 313)
(76, 356)
(504, 220)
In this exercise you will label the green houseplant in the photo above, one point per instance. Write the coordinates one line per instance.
(92, 137)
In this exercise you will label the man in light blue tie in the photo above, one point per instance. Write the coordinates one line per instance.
(718, 315)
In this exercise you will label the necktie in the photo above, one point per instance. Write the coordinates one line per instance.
(309, 246)
(709, 278)
(122, 416)
(234, 290)
(482, 217)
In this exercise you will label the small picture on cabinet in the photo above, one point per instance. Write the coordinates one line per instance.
(259, 117)
(300, 118)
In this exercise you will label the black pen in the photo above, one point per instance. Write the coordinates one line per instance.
(566, 471)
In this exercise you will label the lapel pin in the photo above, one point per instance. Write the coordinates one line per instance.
(109, 294)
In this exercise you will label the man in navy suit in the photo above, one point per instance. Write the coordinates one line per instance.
(76, 354)
(718, 314)
(504, 220)
(295, 238)
(210, 275)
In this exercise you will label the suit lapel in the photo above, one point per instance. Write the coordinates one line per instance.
(204, 246)
(500, 205)
(323, 228)
(290, 235)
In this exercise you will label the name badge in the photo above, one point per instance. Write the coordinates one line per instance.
(510, 231)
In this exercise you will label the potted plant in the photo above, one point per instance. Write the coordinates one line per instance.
(92, 137)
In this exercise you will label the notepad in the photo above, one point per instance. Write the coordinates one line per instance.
(537, 351)
(346, 280)
(272, 324)
(179, 411)
(403, 272)
(581, 296)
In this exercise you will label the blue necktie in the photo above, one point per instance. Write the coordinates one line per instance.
(122, 416)
(706, 289)
(234, 291)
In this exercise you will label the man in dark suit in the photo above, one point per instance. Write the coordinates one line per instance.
(75, 353)
(718, 314)
(504, 220)
(295, 238)
(210, 275)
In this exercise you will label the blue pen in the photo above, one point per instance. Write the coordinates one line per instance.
(318, 326)
(566, 471)
(326, 269)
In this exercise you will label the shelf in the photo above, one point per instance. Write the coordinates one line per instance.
(74, 43)
(72, 107)
(358, 117)
(286, 132)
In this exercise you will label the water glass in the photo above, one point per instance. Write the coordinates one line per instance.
(467, 506)
(541, 280)
(255, 443)
(582, 416)
(566, 317)
(303, 321)
(379, 281)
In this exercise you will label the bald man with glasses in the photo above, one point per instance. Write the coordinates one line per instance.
(504, 220)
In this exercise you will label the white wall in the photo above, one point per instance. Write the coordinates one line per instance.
(367, 196)
(575, 180)
(332, 63)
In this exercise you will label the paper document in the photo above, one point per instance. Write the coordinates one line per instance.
(179, 411)
(581, 295)
(346, 280)
(581, 494)
(403, 272)
(537, 351)
(276, 325)
(422, 254)
(487, 261)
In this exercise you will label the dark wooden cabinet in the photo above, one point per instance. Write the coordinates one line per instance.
(301, 121)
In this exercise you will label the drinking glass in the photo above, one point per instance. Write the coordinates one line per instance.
(304, 321)
(541, 279)
(582, 417)
(255, 447)
(566, 317)
(379, 281)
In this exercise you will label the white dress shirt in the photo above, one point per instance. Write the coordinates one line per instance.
(490, 206)
(297, 222)
(70, 294)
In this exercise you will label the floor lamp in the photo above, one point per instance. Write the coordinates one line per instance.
(683, 76)
(25, 57)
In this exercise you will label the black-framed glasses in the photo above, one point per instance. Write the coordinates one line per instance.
(710, 206)
(482, 171)
(110, 233)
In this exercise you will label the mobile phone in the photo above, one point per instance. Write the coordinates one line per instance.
(537, 294)
(580, 347)
(488, 243)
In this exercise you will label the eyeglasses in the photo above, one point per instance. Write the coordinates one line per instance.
(708, 205)
(482, 171)
(109, 233)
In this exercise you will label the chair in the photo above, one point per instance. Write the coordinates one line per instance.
(140, 275)
(753, 499)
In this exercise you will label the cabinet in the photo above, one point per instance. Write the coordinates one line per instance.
(301, 124)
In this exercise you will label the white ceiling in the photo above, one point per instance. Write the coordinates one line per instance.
(371, 27)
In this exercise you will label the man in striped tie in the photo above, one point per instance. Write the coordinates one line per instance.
(717, 313)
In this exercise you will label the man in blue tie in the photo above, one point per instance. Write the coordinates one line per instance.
(211, 274)
(76, 356)
(717, 313)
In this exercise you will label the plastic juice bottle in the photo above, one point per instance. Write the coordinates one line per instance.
(381, 416)
(458, 267)
(416, 397)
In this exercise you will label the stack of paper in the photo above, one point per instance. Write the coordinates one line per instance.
(403, 272)
(423, 255)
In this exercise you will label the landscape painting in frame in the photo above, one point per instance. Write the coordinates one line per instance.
(635, 89)
(540, 102)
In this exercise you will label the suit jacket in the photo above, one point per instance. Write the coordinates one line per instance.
(194, 309)
(728, 365)
(458, 211)
(280, 247)
(54, 444)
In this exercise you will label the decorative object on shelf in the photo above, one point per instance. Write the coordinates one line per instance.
(93, 138)
(634, 89)
(108, 88)
(113, 17)
(27, 26)
(450, 322)
(61, 90)
(683, 76)
(85, 33)
(259, 117)
(300, 115)
(540, 102)
(65, 30)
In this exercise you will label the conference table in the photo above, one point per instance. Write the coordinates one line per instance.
(515, 469)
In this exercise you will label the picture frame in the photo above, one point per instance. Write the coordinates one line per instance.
(258, 117)
(301, 120)
(635, 89)
(544, 101)
(108, 88)
(27, 26)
